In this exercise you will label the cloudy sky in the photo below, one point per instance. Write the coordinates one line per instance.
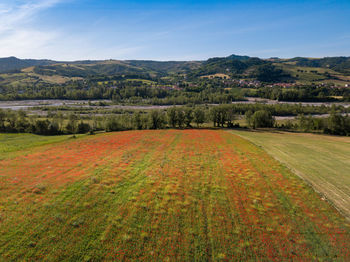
(173, 30)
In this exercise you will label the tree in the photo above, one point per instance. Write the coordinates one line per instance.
(11, 119)
(112, 124)
(156, 119)
(336, 124)
(222, 115)
(230, 115)
(22, 123)
(199, 116)
(248, 118)
(137, 121)
(83, 128)
(42, 127)
(171, 114)
(180, 117)
(94, 124)
(53, 128)
(302, 122)
(2, 120)
(71, 126)
(214, 116)
(59, 120)
(262, 118)
(188, 116)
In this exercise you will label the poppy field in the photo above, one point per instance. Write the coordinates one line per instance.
(164, 195)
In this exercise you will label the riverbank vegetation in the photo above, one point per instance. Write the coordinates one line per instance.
(58, 122)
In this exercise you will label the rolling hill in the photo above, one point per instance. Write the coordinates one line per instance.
(27, 72)
(11, 64)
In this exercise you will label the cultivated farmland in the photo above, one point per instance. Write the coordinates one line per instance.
(190, 195)
(323, 161)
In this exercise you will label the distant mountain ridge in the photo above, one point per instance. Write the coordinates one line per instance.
(12, 64)
(233, 65)
(8, 64)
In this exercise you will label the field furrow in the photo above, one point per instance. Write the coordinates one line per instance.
(170, 195)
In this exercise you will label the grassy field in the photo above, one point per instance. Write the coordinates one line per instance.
(167, 195)
(24, 79)
(308, 75)
(10, 144)
(323, 161)
(223, 76)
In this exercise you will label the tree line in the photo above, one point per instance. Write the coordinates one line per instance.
(335, 124)
(59, 124)
(124, 93)
(304, 93)
(222, 116)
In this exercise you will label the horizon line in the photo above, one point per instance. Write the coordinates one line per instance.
(170, 60)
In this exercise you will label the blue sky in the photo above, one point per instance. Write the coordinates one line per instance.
(173, 30)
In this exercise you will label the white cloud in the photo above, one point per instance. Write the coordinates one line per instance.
(15, 14)
(21, 36)
(18, 35)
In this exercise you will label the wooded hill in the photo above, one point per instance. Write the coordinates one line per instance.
(295, 70)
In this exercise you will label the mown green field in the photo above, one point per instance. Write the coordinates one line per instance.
(323, 161)
(161, 195)
(12, 143)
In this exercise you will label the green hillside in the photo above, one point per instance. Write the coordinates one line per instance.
(301, 79)
(14, 71)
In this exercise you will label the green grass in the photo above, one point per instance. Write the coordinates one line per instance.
(161, 195)
(145, 81)
(12, 143)
(323, 161)
(309, 75)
